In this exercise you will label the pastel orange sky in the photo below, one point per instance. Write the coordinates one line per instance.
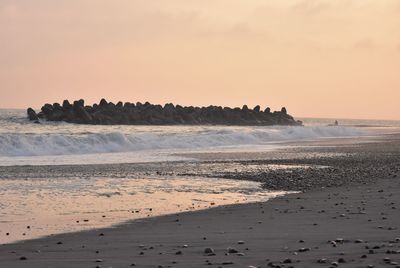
(319, 58)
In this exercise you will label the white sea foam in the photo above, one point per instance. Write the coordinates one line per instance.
(158, 138)
(54, 143)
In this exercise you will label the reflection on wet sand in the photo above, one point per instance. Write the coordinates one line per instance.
(30, 208)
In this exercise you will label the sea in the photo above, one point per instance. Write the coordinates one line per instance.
(33, 205)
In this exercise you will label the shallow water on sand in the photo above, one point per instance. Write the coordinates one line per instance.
(31, 208)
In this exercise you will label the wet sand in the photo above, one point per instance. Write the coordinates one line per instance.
(55, 206)
(352, 225)
(348, 226)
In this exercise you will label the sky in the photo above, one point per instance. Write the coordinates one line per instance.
(318, 58)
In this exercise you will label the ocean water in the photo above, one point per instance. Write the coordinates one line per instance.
(60, 203)
(49, 143)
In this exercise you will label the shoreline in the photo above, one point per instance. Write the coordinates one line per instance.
(295, 227)
(355, 206)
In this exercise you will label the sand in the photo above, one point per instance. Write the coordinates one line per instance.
(359, 218)
(353, 225)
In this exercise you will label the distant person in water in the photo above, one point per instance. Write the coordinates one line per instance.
(336, 123)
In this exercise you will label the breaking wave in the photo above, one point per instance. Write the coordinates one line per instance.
(34, 144)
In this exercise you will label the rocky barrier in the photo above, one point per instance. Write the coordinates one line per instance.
(108, 113)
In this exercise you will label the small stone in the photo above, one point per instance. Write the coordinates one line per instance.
(335, 263)
(232, 250)
(287, 261)
(209, 251)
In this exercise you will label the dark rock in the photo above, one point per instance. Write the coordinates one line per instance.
(81, 102)
(103, 103)
(47, 109)
(66, 105)
(108, 113)
(57, 107)
(32, 115)
(82, 115)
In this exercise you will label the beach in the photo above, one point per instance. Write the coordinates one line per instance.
(346, 215)
(189, 134)
(353, 227)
